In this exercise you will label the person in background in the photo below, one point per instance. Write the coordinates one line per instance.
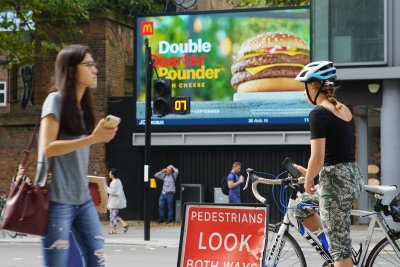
(333, 143)
(21, 174)
(234, 181)
(67, 130)
(116, 201)
(168, 175)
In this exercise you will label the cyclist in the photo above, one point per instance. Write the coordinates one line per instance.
(332, 157)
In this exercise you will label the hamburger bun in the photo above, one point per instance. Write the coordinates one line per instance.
(270, 62)
(270, 85)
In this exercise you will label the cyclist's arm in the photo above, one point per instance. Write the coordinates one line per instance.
(315, 163)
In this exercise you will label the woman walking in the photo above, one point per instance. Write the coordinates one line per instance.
(116, 201)
(66, 132)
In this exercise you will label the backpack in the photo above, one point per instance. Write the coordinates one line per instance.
(395, 208)
(224, 185)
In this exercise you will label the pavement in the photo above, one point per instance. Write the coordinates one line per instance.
(167, 235)
(161, 235)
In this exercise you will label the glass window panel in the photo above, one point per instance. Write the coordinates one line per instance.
(3, 93)
(349, 31)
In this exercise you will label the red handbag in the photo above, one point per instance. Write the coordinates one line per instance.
(27, 207)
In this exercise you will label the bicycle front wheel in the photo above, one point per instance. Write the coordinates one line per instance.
(288, 253)
(383, 253)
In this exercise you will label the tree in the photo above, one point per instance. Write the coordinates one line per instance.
(61, 21)
(266, 3)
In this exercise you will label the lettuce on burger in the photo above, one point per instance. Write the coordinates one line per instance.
(269, 62)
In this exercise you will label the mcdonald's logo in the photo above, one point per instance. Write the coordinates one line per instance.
(147, 28)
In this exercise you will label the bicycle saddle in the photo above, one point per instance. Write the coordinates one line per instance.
(380, 189)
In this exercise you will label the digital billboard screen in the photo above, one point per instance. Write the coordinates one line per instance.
(237, 67)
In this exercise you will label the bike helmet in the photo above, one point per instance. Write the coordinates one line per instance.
(320, 70)
(317, 70)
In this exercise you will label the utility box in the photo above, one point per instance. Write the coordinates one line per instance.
(192, 193)
(220, 197)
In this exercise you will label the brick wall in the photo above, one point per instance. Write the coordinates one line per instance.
(110, 39)
(13, 142)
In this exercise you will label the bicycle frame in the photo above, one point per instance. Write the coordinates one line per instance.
(289, 220)
(376, 218)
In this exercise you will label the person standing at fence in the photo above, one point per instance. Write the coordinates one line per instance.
(332, 157)
(67, 131)
(234, 181)
(116, 201)
(168, 175)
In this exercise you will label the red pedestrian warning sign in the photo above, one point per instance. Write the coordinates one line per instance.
(223, 235)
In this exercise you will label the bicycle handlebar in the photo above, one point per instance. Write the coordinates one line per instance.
(255, 180)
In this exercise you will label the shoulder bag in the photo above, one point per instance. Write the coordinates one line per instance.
(27, 206)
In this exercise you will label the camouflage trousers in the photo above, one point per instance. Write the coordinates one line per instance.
(339, 188)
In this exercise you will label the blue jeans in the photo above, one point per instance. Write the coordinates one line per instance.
(234, 199)
(166, 199)
(83, 221)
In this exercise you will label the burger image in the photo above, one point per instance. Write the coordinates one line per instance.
(269, 62)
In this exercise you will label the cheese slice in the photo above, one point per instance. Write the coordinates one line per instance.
(287, 52)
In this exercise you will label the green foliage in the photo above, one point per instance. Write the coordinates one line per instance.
(53, 22)
(267, 3)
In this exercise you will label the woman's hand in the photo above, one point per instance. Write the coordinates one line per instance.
(301, 169)
(309, 186)
(102, 134)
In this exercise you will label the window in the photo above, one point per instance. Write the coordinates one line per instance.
(3, 94)
(349, 32)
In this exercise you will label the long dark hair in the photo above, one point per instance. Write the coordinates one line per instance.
(114, 172)
(65, 82)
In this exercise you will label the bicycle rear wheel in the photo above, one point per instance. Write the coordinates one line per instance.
(383, 253)
(290, 253)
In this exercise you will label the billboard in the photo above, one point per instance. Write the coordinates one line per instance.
(237, 67)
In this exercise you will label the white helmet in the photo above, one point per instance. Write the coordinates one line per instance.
(320, 70)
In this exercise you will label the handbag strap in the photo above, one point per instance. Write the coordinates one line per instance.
(27, 152)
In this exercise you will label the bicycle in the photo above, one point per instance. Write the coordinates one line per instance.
(283, 249)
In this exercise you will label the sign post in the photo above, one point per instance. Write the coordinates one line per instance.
(147, 147)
